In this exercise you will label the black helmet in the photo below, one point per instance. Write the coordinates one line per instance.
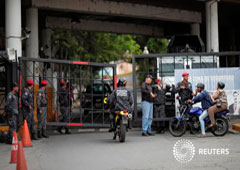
(168, 87)
(221, 85)
(14, 85)
(200, 85)
(122, 82)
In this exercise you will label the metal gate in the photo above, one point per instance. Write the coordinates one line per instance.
(163, 66)
(89, 84)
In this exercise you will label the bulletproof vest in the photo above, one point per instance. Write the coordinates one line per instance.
(122, 99)
(185, 94)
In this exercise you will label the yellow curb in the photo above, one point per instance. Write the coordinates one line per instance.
(236, 127)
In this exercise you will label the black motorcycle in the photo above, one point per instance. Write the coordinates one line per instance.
(121, 124)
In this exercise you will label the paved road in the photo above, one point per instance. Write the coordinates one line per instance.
(96, 151)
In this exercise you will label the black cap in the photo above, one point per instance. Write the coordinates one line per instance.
(149, 76)
(14, 85)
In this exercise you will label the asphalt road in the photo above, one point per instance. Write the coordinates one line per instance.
(97, 151)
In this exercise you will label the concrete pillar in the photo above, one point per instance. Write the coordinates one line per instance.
(212, 26)
(46, 50)
(13, 26)
(195, 29)
(32, 44)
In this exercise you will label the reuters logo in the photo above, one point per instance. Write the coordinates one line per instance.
(183, 151)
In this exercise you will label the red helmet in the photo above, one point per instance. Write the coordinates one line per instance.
(185, 74)
(62, 82)
(44, 82)
(30, 82)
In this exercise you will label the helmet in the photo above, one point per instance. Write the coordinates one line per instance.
(122, 82)
(168, 87)
(221, 85)
(200, 85)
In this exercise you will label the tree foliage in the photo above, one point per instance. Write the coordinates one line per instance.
(92, 46)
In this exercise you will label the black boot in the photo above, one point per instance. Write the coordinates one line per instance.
(60, 130)
(67, 131)
(34, 136)
(111, 129)
(44, 134)
(9, 141)
(39, 134)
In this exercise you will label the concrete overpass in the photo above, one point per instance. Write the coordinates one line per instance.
(152, 18)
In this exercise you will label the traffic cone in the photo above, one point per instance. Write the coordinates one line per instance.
(14, 149)
(21, 161)
(26, 140)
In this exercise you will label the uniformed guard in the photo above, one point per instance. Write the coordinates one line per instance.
(42, 110)
(184, 88)
(28, 108)
(11, 109)
(64, 102)
(159, 104)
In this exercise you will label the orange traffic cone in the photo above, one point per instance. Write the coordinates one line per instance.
(26, 140)
(21, 161)
(14, 149)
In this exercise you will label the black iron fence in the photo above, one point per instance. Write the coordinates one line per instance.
(88, 84)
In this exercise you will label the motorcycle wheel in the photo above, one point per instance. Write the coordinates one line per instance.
(221, 127)
(122, 132)
(177, 128)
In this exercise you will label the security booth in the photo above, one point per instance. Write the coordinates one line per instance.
(89, 85)
(163, 66)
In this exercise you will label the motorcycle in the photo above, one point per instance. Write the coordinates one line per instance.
(121, 124)
(189, 116)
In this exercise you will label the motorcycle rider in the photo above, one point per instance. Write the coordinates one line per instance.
(184, 88)
(119, 100)
(201, 95)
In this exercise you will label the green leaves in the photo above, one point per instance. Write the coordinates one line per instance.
(95, 47)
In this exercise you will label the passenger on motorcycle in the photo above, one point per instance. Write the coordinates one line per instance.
(221, 102)
(202, 96)
(119, 100)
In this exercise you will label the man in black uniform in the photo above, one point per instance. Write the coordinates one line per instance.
(11, 109)
(184, 88)
(27, 108)
(42, 110)
(64, 102)
(159, 104)
(119, 100)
